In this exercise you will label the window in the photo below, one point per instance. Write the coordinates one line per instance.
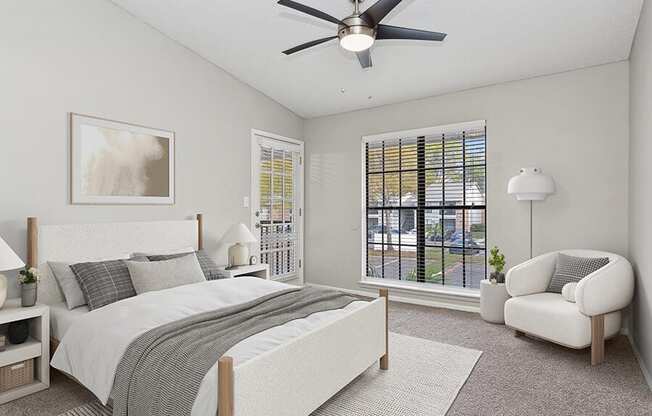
(425, 205)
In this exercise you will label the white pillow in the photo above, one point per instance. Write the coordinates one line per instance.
(164, 252)
(159, 275)
(568, 291)
(68, 283)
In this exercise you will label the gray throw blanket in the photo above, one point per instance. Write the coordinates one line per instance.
(162, 369)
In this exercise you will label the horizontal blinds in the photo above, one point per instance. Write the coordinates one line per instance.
(277, 214)
(426, 204)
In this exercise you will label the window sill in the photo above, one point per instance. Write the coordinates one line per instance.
(445, 297)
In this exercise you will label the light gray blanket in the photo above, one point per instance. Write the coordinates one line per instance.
(162, 369)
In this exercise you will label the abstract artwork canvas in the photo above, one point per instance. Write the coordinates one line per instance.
(120, 163)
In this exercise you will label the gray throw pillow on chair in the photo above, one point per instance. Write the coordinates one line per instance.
(573, 269)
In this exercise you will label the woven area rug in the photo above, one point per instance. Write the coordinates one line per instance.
(424, 378)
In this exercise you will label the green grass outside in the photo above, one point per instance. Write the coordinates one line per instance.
(433, 262)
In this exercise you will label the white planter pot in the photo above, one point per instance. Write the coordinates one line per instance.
(492, 301)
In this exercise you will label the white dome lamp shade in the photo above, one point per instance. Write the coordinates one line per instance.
(240, 235)
(531, 185)
(9, 260)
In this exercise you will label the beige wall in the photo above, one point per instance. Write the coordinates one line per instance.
(640, 191)
(575, 126)
(91, 57)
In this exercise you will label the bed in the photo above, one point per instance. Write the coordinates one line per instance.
(287, 370)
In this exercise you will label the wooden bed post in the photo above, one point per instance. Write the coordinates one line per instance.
(200, 231)
(225, 386)
(597, 339)
(384, 360)
(32, 241)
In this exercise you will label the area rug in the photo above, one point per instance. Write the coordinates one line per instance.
(424, 378)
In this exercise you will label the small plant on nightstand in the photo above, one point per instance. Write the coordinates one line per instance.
(28, 279)
(497, 261)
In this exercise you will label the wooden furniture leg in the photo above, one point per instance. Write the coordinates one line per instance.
(225, 386)
(597, 339)
(32, 242)
(200, 231)
(384, 360)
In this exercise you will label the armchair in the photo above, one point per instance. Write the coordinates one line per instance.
(595, 315)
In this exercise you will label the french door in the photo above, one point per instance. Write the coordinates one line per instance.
(277, 203)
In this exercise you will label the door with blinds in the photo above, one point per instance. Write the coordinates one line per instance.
(277, 204)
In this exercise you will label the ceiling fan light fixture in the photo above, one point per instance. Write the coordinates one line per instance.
(356, 37)
(356, 42)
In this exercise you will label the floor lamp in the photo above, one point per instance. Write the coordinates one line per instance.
(531, 185)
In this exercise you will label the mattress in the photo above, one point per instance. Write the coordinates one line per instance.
(62, 318)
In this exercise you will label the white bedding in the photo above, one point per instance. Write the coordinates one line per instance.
(92, 347)
(62, 318)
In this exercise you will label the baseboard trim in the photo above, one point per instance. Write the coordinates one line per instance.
(434, 301)
(646, 374)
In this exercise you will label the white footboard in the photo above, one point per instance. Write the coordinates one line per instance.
(295, 379)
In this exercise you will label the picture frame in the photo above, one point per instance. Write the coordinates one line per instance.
(118, 163)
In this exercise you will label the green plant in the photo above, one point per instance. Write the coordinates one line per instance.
(497, 261)
(29, 275)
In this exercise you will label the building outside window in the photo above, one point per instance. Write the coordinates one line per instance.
(425, 206)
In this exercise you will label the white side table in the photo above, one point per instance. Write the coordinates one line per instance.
(492, 301)
(37, 346)
(257, 270)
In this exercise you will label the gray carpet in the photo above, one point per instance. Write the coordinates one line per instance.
(424, 379)
(514, 376)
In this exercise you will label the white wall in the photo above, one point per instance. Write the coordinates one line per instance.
(575, 126)
(640, 193)
(91, 57)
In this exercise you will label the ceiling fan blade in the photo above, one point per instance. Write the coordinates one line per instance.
(309, 10)
(308, 45)
(365, 58)
(395, 32)
(374, 14)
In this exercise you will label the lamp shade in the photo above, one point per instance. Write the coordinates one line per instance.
(531, 185)
(239, 233)
(9, 260)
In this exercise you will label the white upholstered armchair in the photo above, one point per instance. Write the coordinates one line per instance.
(595, 314)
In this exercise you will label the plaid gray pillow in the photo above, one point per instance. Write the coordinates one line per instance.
(573, 269)
(208, 266)
(104, 282)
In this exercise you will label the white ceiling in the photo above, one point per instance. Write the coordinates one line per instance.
(488, 42)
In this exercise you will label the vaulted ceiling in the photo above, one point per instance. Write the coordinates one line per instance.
(488, 42)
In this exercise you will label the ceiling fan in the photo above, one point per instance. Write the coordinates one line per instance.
(358, 32)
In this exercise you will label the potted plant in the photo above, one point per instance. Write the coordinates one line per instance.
(493, 291)
(28, 279)
(497, 261)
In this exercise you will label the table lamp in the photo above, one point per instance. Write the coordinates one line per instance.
(239, 252)
(9, 260)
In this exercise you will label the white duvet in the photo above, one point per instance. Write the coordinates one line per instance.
(92, 348)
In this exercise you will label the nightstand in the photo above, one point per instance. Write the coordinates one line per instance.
(257, 270)
(37, 346)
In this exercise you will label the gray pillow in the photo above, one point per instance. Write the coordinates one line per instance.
(68, 283)
(103, 282)
(572, 269)
(208, 266)
(159, 275)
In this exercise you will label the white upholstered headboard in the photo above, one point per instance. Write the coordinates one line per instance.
(86, 242)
